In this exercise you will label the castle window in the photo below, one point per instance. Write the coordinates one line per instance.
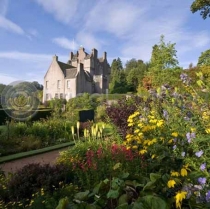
(68, 84)
(47, 82)
(59, 84)
(61, 96)
(56, 96)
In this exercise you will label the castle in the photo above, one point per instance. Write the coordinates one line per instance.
(82, 73)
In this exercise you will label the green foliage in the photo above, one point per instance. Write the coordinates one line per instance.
(20, 136)
(164, 55)
(117, 78)
(83, 101)
(135, 71)
(203, 6)
(204, 59)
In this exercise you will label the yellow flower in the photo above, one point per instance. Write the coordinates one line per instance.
(160, 123)
(131, 124)
(174, 173)
(140, 125)
(174, 134)
(193, 129)
(183, 172)
(136, 131)
(170, 141)
(146, 142)
(207, 130)
(135, 147)
(152, 141)
(153, 121)
(142, 151)
(179, 197)
(153, 156)
(140, 134)
(171, 183)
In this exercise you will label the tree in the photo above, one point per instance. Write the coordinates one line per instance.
(164, 55)
(204, 59)
(2, 86)
(117, 77)
(203, 6)
(37, 85)
(135, 70)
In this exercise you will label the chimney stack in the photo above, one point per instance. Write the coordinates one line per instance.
(55, 57)
(95, 53)
(71, 55)
(104, 56)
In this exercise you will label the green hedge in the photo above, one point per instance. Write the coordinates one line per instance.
(41, 113)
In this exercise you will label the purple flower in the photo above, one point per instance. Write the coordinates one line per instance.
(165, 114)
(190, 136)
(174, 147)
(193, 135)
(183, 154)
(208, 196)
(202, 180)
(198, 154)
(203, 166)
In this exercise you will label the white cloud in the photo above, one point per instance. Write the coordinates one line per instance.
(63, 10)
(116, 17)
(88, 40)
(30, 57)
(10, 26)
(33, 32)
(171, 23)
(7, 79)
(65, 43)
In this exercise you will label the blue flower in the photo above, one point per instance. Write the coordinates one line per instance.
(208, 196)
(198, 154)
(202, 180)
(203, 166)
(183, 154)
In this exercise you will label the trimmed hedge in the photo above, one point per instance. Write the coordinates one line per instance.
(41, 114)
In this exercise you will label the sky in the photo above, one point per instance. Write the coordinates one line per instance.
(33, 31)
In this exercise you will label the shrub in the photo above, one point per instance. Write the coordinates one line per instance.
(119, 113)
(32, 177)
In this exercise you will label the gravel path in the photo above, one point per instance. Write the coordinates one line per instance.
(45, 158)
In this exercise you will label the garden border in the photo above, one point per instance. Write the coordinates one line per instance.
(20, 155)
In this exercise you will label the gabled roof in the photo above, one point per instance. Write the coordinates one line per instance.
(68, 70)
(71, 73)
(64, 66)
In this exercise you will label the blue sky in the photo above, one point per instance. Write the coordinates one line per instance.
(32, 31)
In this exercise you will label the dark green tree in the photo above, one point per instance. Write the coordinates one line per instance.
(2, 86)
(203, 6)
(204, 59)
(117, 78)
(135, 70)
